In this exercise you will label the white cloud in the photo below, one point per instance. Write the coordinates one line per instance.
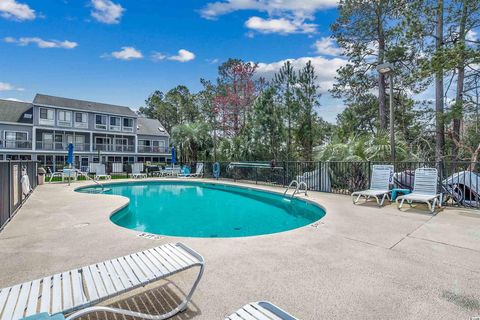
(9, 87)
(44, 44)
(280, 25)
(297, 8)
(14, 99)
(325, 69)
(127, 53)
(106, 11)
(327, 46)
(11, 9)
(183, 56)
(158, 56)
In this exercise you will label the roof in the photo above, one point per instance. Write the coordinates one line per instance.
(151, 127)
(13, 111)
(42, 99)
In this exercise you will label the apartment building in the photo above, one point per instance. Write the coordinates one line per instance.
(43, 129)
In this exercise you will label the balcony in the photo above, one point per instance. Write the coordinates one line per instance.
(113, 148)
(16, 144)
(153, 149)
(61, 146)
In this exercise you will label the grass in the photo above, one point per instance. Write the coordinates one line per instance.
(82, 178)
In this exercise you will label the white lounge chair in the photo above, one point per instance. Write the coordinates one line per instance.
(80, 289)
(425, 189)
(379, 185)
(100, 172)
(136, 171)
(198, 171)
(262, 310)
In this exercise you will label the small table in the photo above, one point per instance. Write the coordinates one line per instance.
(402, 191)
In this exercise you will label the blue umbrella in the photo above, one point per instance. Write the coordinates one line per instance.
(174, 161)
(70, 154)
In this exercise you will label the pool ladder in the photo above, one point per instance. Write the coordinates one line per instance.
(298, 188)
(95, 181)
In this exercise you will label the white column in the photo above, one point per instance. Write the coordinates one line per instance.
(136, 144)
(91, 141)
(34, 139)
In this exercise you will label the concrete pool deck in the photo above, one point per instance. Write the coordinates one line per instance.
(358, 262)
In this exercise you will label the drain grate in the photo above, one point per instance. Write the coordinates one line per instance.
(149, 236)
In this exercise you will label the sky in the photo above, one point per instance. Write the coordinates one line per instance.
(120, 51)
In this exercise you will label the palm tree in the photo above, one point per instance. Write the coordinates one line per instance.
(192, 138)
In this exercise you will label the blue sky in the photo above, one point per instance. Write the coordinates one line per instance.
(119, 51)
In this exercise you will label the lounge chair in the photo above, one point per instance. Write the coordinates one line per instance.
(100, 172)
(379, 185)
(78, 290)
(262, 310)
(136, 171)
(425, 189)
(198, 171)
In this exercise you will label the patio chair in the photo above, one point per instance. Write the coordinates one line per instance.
(136, 171)
(54, 174)
(100, 172)
(425, 189)
(78, 290)
(198, 171)
(262, 310)
(379, 185)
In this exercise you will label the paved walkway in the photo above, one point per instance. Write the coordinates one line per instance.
(360, 262)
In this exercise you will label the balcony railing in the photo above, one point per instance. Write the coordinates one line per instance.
(61, 146)
(152, 149)
(113, 148)
(15, 144)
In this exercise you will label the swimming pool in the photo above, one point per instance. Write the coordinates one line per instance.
(208, 210)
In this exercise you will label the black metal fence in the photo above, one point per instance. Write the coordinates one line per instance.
(11, 194)
(459, 181)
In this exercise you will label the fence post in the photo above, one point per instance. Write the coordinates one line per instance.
(10, 188)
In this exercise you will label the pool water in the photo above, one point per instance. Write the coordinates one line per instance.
(196, 209)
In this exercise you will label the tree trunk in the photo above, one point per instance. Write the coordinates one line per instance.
(458, 112)
(439, 110)
(382, 109)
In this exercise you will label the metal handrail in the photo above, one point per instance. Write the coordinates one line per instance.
(298, 186)
(89, 178)
(293, 182)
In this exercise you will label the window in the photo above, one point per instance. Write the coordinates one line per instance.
(128, 124)
(64, 118)
(158, 145)
(78, 142)
(47, 117)
(47, 141)
(16, 139)
(101, 122)
(115, 124)
(81, 120)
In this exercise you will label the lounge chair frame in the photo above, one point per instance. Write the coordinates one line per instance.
(425, 190)
(101, 173)
(79, 289)
(379, 185)
(136, 172)
(262, 310)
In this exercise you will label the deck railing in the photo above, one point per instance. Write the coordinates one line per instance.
(15, 144)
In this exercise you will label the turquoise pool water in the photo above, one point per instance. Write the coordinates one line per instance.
(195, 209)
